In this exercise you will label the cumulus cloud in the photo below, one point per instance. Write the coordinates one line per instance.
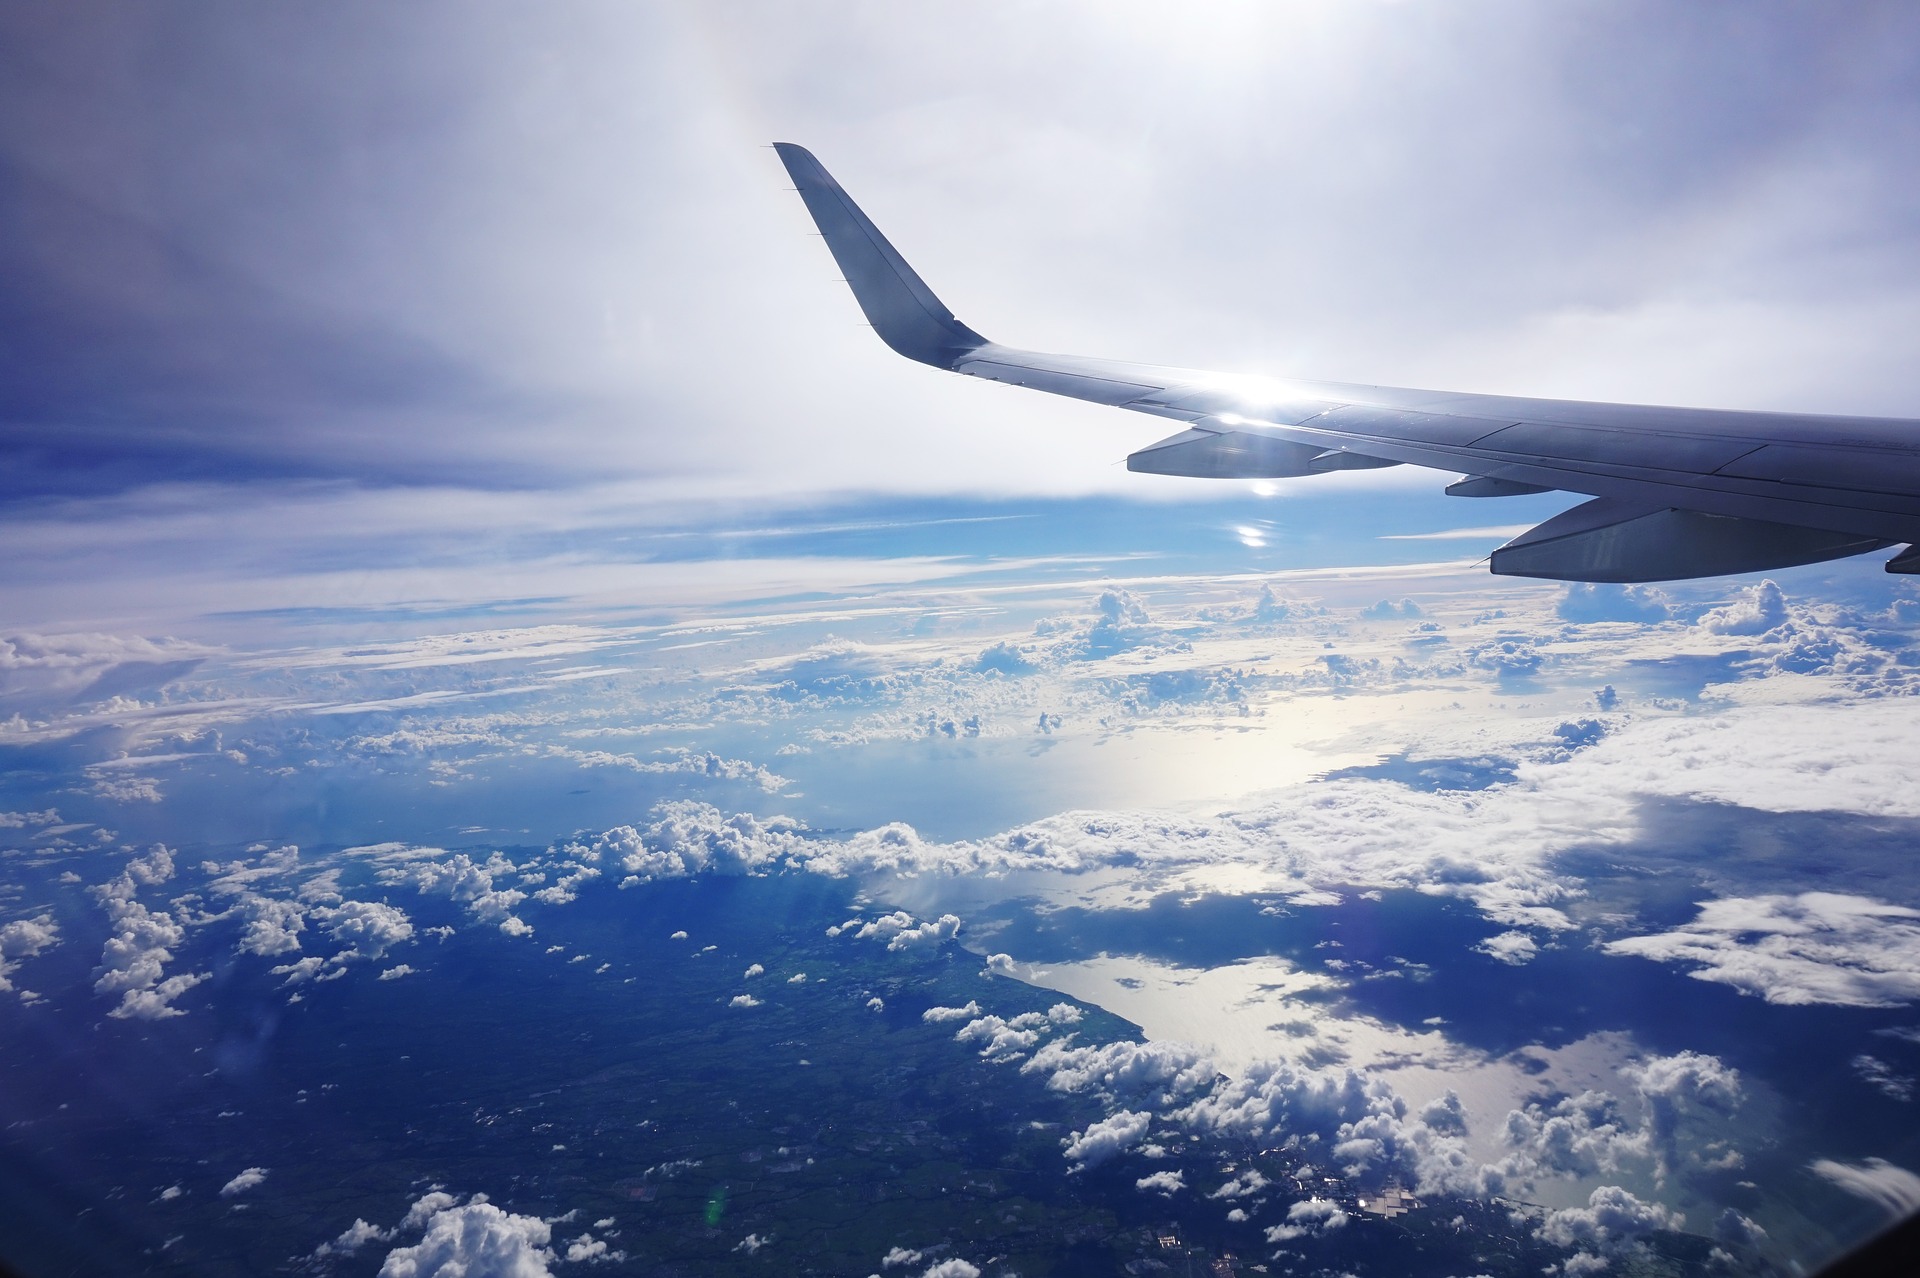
(352, 1239)
(687, 837)
(462, 879)
(1575, 1136)
(133, 960)
(1159, 1072)
(1885, 1184)
(1612, 1221)
(902, 932)
(271, 926)
(1600, 601)
(595, 1251)
(1245, 1185)
(1167, 1183)
(1305, 1219)
(474, 1240)
(952, 1268)
(934, 1015)
(1001, 1039)
(368, 929)
(1674, 1087)
(1760, 609)
(24, 939)
(1513, 948)
(240, 1184)
(1814, 947)
(744, 1000)
(1110, 1136)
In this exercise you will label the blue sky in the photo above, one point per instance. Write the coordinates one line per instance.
(483, 255)
(437, 428)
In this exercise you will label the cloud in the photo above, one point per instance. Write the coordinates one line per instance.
(1110, 1136)
(133, 960)
(271, 926)
(901, 932)
(1513, 948)
(1167, 1183)
(595, 1251)
(460, 878)
(900, 1256)
(1675, 1087)
(1589, 601)
(367, 928)
(1762, 608)
(687, 837)
(1885, 1184)
(1575, 1136)
(24, 939)
(476, 1240)
(1158, 1071)
(241, 1183)
(934, 1015)
(42, 671)
(745, 1000)
(953, 1267)
(1003, 1040)
(1612, 1221)
(1813, 947)
(1881, 1076)
(753, 971)
(352, 1239)
(1309, 1218)
(1245, 1185)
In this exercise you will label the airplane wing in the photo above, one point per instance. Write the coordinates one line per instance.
(1676, 492)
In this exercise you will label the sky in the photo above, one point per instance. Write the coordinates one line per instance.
(302, 286)
(439, 427)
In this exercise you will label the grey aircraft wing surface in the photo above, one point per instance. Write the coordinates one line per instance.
(1675, 492)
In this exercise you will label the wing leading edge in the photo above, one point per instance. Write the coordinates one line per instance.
(1676, 492)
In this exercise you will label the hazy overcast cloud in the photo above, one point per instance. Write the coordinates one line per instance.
(485, 247)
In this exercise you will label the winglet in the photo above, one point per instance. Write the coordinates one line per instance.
(902, 309)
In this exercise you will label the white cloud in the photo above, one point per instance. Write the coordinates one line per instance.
(24, 939)
(901, 932)
(272, 926)
(134, 958)
(1108, 1137)
(1612, 1221)
(1000, 1039)
(1513, 948)
(1814, 947)
(897, 1256)
(1308, 1218)
(934, 1015)
(753, 971)
(689, 837)
(477, 1240)
(744, 1000)
(953, 1267)
(594, 1251)
(1886, 1184)
(241, 1183)
(1167, 1183)
(460, 878)
(397, 971)
(1245, 1185)
(1761, 609)
(368, 929)
(352, 1239)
